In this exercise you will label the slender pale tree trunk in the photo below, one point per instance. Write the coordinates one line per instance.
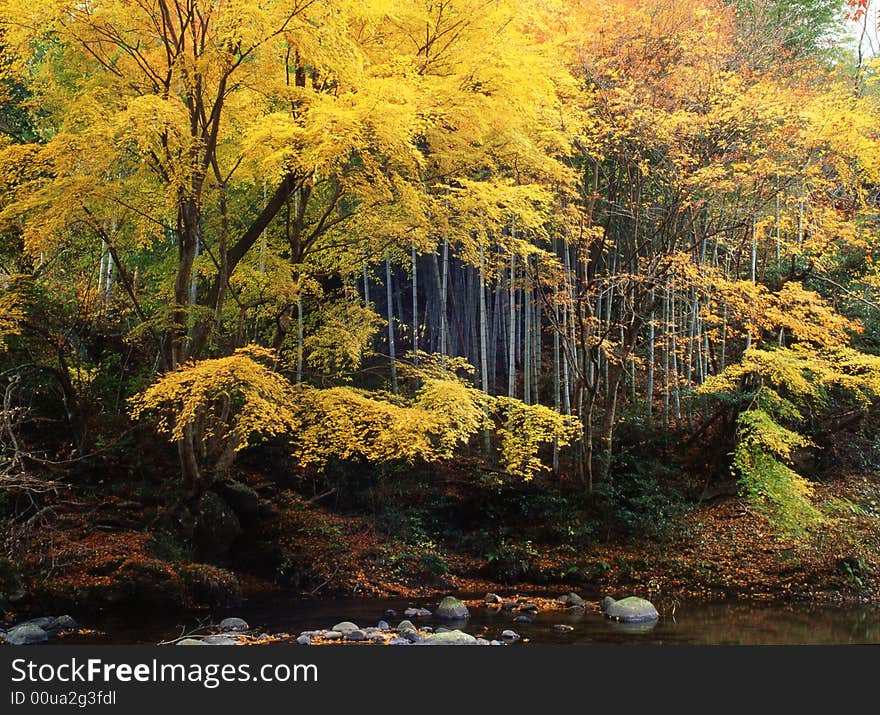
(776, 228)
(299, 336)
(497, 327)
(484, 327)
(484, 351)
(511, 353)
(676, 384)
(665, 344)
(415, 306)
(753, 264)
(444, 315)
(527, 337)
(536, 331)
(390, 314)
(366, 286)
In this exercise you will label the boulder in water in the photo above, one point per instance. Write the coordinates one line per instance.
(451, 608)
(450, 638)
(417, 613)
(234, 625)
(345, 627)
(26, 634)
(221, 639)
(630, 610)
(62, 623)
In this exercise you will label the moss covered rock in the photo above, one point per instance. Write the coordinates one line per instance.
(631, 610)
(449, 638)
(451, 608)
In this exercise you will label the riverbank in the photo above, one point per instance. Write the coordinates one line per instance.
(109, 555)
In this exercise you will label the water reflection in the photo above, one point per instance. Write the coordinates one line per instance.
(700, 623)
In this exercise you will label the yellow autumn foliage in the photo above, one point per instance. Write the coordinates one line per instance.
(240, 398)
(236, 397)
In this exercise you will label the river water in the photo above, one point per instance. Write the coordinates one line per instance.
(733, 623)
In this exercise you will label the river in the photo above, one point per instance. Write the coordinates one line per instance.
(728, 623)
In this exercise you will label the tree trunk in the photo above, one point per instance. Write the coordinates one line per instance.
(511, 352)
(415, 306)
(390, 315)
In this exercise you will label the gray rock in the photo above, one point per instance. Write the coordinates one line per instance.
(450, 638)
(345, 627)
(631, 610)
(62, 623)
(390, 613)
(377, 638)
(26, 634)
(443, 629)
(495, 643)
(221, 639)
(416, 613)
(217, 526)
(510, 635)
(483, 641)
(42, 622)
(605, 602)
(234, 625)
(524, 619)
(398, 641)
(412, 636)
(571, 600)
(529, 608)
(451, 608)
(304, 640)
(355, 635)
(562, 628)
(191, 641)
(509, 605)
(332, 635)
(405, 625)
(493, 598)
(383, 625)
(311, 634)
